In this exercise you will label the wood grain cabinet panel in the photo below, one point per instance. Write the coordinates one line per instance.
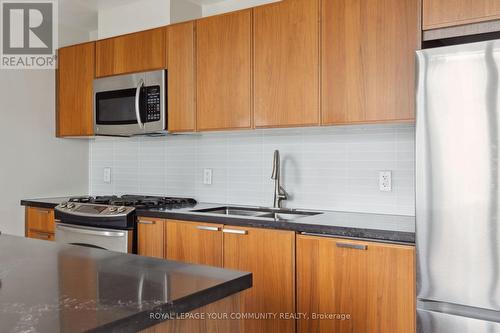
(137, 52)
(192, 242)
(40, 219)
(286, 64)
(75, 77)
(373, 283)
(368, 60)
(150, 237)
(223, 79)
(445, 13)
(181, 77)
(270, 256)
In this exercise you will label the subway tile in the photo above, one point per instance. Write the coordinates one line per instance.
(323, 167)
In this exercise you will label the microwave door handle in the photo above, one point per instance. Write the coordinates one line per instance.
(137, 106)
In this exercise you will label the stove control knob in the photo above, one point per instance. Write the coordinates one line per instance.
(112, 209)
(70, 205)
(122, 209)
(63, 205)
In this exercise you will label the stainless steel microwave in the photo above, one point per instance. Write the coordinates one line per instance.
(132, 104)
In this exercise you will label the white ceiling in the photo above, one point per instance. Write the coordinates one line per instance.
(82, 14)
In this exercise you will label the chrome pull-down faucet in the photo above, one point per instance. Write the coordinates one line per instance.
(279, 192)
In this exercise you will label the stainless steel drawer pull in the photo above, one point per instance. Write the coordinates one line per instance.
(146, 222)
(235, 231)
(44, 235)
(207, 228)
(352, 246)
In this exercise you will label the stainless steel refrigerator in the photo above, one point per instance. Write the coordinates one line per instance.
(458, 189)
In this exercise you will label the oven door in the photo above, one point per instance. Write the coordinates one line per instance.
(107, 239)
(131, 104)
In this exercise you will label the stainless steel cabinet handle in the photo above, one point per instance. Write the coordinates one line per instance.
(352, 246)
(90, 231)
(146, 222)
(43, 211)
(137, 106)
(235, 231)
(207, 228)
(45, 235)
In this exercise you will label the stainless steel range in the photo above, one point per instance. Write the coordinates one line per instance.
(107, 222)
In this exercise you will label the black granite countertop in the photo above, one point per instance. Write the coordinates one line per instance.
(49, 287)
(378, 227)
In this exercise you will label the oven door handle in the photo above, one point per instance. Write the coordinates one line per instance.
(93, 231)
(137, 105)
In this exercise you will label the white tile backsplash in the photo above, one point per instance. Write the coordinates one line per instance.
(333, 168)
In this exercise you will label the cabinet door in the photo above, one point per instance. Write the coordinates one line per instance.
(373, 283)
(223, 77)
(137, 52)
(270, 256)
(192, 242)
(368, 60)
(150, 237)
(181, 78)
(286, 64)
(75, 77)
(445, 13)
(40, 219)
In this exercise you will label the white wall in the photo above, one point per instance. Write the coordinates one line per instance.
(132, 17)
(232, 5)
(33, 162)
(334, 168)
(184, 10)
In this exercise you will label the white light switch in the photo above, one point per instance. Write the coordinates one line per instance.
(385, 181)
(207, 176)
(107, 175)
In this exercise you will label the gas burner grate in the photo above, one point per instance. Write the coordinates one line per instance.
(137, 201)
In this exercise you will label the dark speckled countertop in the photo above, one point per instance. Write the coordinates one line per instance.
(49, 287)
(378, 227)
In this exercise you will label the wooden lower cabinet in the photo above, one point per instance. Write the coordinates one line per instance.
(270, 256)
(373, 283)
(150, 237)
(193, 242)
(40, 223)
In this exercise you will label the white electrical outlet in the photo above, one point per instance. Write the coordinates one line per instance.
(107, 175)
(385, 181)
(207, 176)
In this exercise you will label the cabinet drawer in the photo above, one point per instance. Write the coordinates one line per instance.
(40, 219)
(41, 235)
(150, 238)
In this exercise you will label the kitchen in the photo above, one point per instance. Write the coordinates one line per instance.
(254, 166)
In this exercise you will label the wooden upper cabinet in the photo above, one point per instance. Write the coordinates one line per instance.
(75, 77)
(286, 64)
(137, 52)
(150, 237)
(270, 256)
(372, 282)
(181, 77)
(368, 60)
(445, 13)
(195, 243)
(223, 79)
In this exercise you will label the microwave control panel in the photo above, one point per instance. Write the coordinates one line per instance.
(152, 104)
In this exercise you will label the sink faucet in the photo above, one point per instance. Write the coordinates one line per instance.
(279, 192)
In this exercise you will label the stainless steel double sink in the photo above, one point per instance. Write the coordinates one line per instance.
(270, 213)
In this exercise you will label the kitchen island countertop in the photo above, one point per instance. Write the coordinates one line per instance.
(49, 287)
